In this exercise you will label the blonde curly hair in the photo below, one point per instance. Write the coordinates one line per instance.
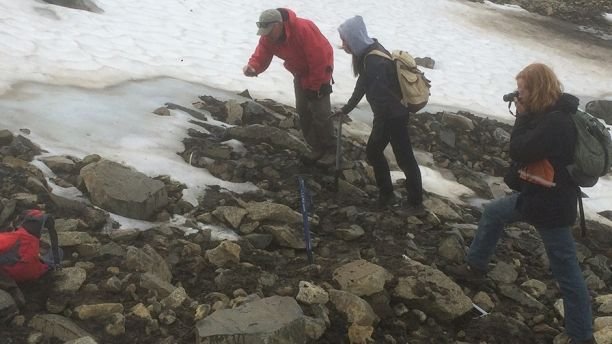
(545, 89)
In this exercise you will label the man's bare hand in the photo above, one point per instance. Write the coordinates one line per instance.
(249, 71)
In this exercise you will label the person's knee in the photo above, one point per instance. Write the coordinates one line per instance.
(496, 210)
(407, 164)
(374, 154)
(489, 210)
(564, 263)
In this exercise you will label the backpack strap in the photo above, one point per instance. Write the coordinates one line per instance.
(388, 57)
(378, 53)
(50, 222)
(35, 221)
(581, 210)
(606, 154)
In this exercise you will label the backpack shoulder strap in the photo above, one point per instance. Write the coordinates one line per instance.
(583, 226)
(379, 53)
(34, 221)
(49, 223)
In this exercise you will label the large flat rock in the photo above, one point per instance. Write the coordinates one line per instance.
(123, 191)
(273, 320)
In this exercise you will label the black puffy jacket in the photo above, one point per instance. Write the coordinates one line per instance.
(378, 82)
(550, 135)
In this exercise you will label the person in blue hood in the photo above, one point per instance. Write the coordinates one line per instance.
(542, 143)
(377, 80)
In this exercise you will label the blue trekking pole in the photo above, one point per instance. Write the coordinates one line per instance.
(306, 203)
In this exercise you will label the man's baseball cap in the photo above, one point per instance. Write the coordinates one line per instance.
(266, 19)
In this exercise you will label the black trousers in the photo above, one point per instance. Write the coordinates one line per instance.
(394, 131)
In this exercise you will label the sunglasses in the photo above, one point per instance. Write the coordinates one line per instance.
(264, 25)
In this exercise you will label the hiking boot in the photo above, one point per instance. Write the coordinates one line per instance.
(310, 159)
(386, 200)
(321, 158)
(327, 159)
(574, 341)
(466, 272)
(563, 338)
(472, 276)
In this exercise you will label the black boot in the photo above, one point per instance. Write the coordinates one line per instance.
(386, 199)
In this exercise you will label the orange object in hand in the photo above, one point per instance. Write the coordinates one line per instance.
(540, 172)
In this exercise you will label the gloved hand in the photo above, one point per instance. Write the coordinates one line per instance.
(311, 94)
(249, 71)
(336, 112)
(324, 90)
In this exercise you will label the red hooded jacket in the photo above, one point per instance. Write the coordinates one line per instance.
(307, 53)
(19, 256)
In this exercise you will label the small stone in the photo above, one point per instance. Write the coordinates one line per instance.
(90, 288)
(483, 300)
(141, 311)
(167, 317)
(162, 111)
(87, 266)
(152, 326)
(56, 305)
(101, 310)
(113, 270)
(311, 293)
(116, 327)
(420, 315)
(113, 284)
(202, 311)
(18, 321)
(400, 309)
(35, 338)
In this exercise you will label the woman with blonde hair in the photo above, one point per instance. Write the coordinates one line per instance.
(541, 145)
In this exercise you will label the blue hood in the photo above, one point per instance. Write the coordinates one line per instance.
(353, 31)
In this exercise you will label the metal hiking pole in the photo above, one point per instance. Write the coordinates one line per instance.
(338, 150)
(306, 203)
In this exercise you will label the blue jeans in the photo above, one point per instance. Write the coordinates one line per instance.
(561, 251)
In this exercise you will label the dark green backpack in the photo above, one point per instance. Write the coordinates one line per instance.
(593, 152)
(592, 155)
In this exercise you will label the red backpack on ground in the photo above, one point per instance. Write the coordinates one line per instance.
(20, 249)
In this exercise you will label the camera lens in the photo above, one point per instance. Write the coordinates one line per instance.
(510, 96)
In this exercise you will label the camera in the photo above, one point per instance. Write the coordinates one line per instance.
(510, 96)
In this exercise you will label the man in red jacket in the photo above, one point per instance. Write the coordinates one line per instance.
(310, 58)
